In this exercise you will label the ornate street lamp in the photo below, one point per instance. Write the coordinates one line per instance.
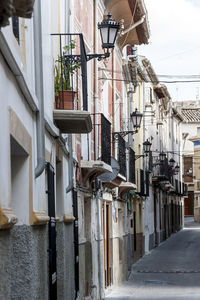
(108, 30)
(136, 117)
(162, 156)
(176, 169)
(147, 146)
(171, 162)
(146, 149)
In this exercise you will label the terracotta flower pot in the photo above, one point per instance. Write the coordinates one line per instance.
(68, 100)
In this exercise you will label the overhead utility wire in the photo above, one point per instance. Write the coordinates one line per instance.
(159, 75)
(157, 81)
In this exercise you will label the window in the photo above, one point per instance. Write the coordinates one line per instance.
(15, 28)
(19, 179)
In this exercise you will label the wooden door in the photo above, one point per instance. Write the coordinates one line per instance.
(189, 205)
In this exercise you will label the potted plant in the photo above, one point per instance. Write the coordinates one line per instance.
(64, 95)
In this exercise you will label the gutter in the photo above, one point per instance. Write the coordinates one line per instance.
(13, 61)
(70, 186)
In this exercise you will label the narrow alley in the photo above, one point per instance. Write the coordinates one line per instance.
(170, 271)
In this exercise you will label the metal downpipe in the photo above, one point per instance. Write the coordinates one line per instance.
(99, 246)
(95, 87)
(39, 88)
(70, 185)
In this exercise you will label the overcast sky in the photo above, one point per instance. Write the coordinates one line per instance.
(174, 47)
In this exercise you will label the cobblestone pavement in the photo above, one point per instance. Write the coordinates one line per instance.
(169, 272)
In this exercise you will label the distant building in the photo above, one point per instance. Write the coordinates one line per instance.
(190, 111)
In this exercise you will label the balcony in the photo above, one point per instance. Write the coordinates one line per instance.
(131, 165)
(130, 184)
(163, 176)
(71, 103)
(161, 172)
(184, 190)
(101, 149)
(121, 155)
(142, 181)
(23, 8)
(19, 8)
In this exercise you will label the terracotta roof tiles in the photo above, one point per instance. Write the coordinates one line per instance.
(191, 115)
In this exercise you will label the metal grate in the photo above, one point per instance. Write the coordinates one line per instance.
(122, 155)
(102, 138)
(70, 69)
(131, 165)
(164, 169)
(105, 140)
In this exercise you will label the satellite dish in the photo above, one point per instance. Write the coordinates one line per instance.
(106, 177)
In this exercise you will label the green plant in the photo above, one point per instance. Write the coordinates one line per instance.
(63, 70)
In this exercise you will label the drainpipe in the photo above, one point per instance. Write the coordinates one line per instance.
(95, 49)
(37, 23)
(131, 91)
(95, 13)
(70, 185)
(99, 246)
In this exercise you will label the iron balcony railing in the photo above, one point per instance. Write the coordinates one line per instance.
(164, 169)
(184, 189)
(142, 182)
(70, 72)
(101, 138)
(131, 165)
(122, 155)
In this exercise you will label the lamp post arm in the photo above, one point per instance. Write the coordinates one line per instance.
(138, 156)
(133, 26)
(123, 133)
(77, 58)
(98, 56)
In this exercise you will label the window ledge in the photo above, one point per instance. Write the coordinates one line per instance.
(7, 218)
(68, 218)
(40, 218)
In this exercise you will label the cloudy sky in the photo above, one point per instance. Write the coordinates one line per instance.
(174, 47)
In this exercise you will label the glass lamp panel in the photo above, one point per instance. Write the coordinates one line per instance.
(134, 119)
(104, 36)
(112, 35)
(162, 156)
(177, 169)
(171, 162)
(138, 119)
(147, 146)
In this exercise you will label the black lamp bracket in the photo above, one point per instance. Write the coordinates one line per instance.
(138, 156)
(123, 133)
(69, 58)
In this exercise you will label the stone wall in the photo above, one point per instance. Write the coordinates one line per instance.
(24, 262)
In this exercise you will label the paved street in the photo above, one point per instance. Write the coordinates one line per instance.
(171, 271)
